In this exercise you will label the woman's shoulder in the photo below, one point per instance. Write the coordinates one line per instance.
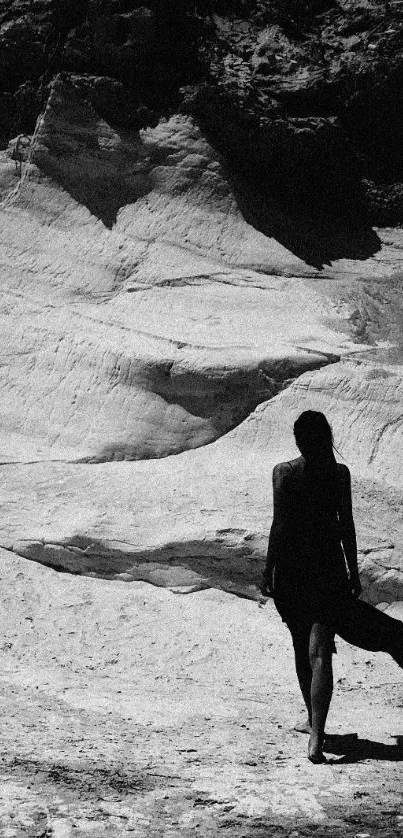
(287, 468)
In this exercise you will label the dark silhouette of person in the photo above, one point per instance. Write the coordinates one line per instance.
(312, 573)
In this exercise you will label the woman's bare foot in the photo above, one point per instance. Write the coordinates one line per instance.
(315, 749)
(317, 759)
(303, 727)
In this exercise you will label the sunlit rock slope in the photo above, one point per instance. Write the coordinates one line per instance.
(166, 313)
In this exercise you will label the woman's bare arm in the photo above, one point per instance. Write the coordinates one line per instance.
(277, 530)
(347, 529)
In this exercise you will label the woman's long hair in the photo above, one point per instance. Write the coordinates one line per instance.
(314, 438)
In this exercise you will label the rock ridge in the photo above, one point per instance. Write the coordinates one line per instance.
(315, 86)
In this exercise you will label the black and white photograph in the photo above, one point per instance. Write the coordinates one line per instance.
(201, 418)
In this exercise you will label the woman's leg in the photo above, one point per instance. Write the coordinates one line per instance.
(304, 675)
(320, 656)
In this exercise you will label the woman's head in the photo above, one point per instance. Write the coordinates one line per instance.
(313, 435)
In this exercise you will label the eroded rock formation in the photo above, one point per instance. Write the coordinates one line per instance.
(187, 263)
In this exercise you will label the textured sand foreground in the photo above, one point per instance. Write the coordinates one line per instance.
(130, 710)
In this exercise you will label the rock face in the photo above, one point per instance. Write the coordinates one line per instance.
(201, 518)
(303, 98)
(150, 309)
(189, 270)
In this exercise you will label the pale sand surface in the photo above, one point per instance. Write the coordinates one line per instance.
(131, 710)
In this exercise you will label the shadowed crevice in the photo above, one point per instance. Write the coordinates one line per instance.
(230, 560)
(297, 180)
(224, 398)
(313, 236)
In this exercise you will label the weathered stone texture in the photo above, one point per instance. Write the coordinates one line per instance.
(187, 263)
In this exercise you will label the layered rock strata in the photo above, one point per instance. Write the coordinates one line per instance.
(167, 311)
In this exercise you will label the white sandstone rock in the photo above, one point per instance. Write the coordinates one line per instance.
(141, 317)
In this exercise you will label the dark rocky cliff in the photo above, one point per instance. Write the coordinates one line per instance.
(303, 98)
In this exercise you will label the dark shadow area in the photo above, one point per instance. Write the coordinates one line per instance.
(297, 180)
(149, 48)
(357, 750)
(339, 741)
(223, 398)
(312, 235)
(226, 562)
(103, 197)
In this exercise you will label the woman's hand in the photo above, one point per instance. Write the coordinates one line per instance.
(355, 585)
(264, 594)
(266, 588)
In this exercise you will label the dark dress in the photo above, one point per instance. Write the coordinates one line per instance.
(312, 510)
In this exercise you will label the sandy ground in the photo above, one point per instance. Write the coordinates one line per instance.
(130, 710)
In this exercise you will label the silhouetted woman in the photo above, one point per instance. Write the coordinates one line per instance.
(311, 570)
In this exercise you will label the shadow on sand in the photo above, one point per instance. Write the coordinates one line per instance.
(351, 749)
